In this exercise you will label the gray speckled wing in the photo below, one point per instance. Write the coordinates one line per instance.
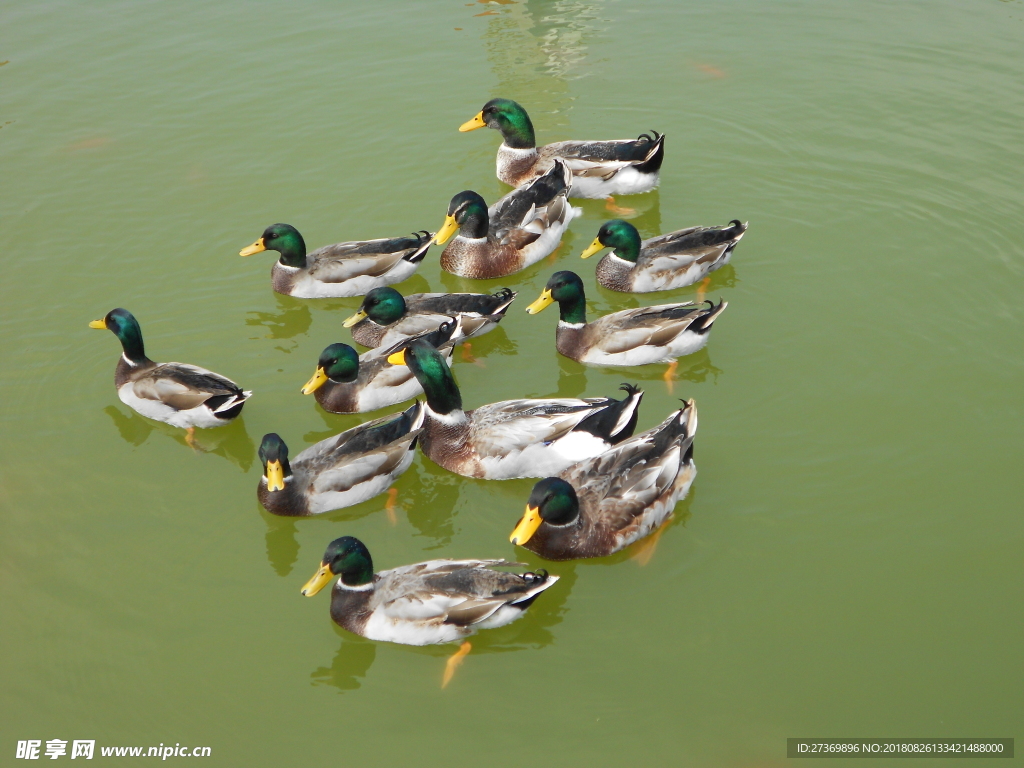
(182, 386)
(432, 590)
(343, 261)
(500, 428)
(632, 328)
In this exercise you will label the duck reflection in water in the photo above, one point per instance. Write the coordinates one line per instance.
(292, 319)
(436, 491)
(351, 663)
(231, 442)
(282, 544)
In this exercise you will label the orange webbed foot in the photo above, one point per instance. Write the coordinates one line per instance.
(702, 289)
(669, 375)
(390, 504)
(190, 438)
(644, 552)
(611, 207)
(454, 661)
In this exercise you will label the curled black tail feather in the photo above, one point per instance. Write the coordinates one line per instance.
(653, 163)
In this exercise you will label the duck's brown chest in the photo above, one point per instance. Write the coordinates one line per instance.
(615, 274)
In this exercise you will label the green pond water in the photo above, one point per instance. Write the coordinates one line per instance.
(849, 560)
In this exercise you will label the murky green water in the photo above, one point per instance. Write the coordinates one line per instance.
(849, 562)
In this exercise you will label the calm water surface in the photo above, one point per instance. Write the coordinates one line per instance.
(849, 561)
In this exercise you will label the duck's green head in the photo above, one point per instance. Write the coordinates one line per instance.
(274, 455)
(553, 501)
(347, 557)
(283, 238)
(467, 213)
(432, 373)
(339, 363)
(124, 325)
(567, 289)
(619, 235)
(508, 117)
(382, 305)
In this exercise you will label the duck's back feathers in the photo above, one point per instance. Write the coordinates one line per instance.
(625, 493)
(617, 486)
(179, 394)
(640, 336)
(473, 307)
(522, 228)
(445, 600)
(532, 208)
(602, 168)
(425, 312)
(646, 149)
(343, 261)
(497, 428)
(353, 268)
(349, 468)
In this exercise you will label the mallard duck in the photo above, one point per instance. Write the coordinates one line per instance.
(512, 438)
(178, 394)
(601, 505)
(631, 337)
(340, 471)
(599, 168)
(519, 230)
(437, 601)
(345, 382)
(663, 262)
(386, 317)
(344, 269)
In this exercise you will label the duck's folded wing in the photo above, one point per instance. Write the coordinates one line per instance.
(394, 431)
(521, 216)
(461, 592)
(513, 425)
(623, 486)
(343, 261)
(666, 258)
(358, 468)
(632, 328)
(669, 237)
(183, 386)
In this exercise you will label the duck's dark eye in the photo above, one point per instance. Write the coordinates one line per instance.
(272, 235)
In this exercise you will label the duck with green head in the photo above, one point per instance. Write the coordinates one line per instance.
(340, 471)
(344, 269)
(639, 336)
(437, 601)
(601, 505)
(664, 262)
(178, 394)
(599, 168)
(386, 316)
(519, 230)
(512, 438)
(345, 382)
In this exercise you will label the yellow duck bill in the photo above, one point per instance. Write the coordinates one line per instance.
(527, 526)
(275, 476)
(541, 303)
(593, 248)
(358, 317)
(99, 324)
(320, 580)
(318, 380)
(477, 121)
(398, 358)
(254, 248)
(449, 228)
